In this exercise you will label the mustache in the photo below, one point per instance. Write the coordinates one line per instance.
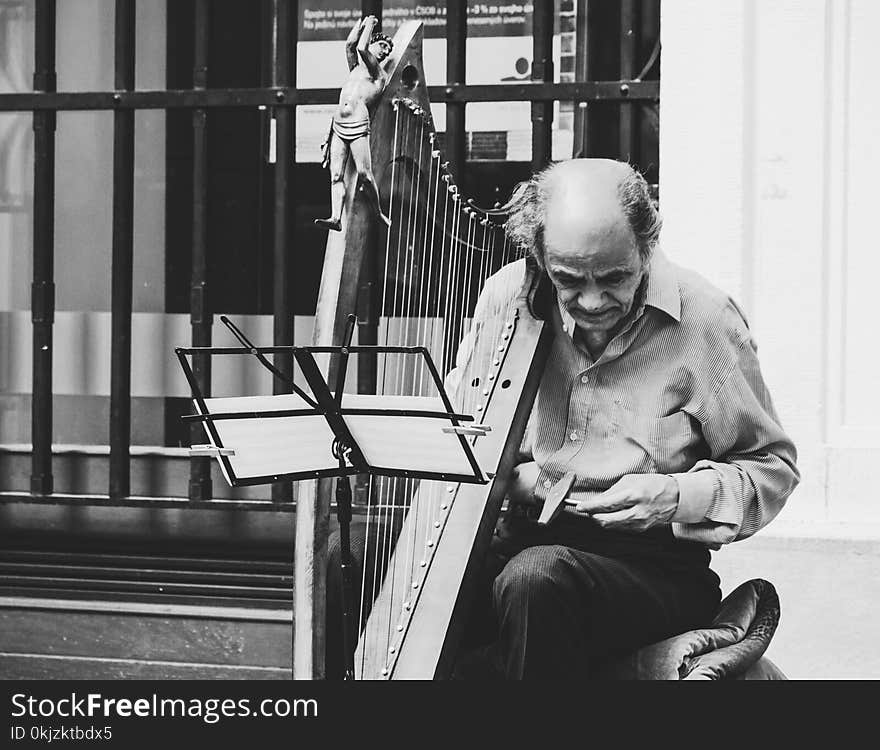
(576, 310)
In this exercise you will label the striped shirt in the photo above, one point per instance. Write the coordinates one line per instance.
(677, 391)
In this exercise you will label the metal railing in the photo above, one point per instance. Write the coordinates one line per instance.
(281, 98)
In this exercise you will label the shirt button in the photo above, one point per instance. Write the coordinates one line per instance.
(573, 436)
(547, 484)
(585, 379)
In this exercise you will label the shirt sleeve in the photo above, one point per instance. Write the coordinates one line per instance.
(750, 471)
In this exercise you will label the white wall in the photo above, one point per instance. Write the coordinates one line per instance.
(769, 157)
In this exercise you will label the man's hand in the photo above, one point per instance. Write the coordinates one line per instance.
(522, 484)
(635, 502)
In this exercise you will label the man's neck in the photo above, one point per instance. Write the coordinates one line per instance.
(594, 341)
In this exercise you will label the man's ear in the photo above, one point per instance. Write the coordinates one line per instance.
(542, 293)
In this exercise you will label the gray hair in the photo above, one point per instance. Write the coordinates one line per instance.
(528, 201)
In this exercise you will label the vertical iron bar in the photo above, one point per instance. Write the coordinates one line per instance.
(368, 287)
(581, 109)
(628, 51)
(372, 8)
(121, 296)
(542, 70)
(201, 318)
(368, 312)
(43, 287)
(456, 43)
(603, 64)
(283, 42)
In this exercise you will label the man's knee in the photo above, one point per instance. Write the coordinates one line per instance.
(533, 573)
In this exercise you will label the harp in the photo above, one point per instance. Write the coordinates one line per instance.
(435, 258)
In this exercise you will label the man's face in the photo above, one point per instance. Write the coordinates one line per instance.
(593, 261)
(380, 49)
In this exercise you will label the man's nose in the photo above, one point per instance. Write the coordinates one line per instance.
(590, 299)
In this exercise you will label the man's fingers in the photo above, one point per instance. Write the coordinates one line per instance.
(621, 518)
(607, 502)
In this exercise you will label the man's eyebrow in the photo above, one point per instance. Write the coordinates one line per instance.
(575, 274)
(568, 273)
(617, 269)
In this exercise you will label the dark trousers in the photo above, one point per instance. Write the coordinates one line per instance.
(558, 601)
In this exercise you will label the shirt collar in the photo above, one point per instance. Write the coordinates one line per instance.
(662, 293)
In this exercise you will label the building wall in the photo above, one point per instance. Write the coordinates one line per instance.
(768, 163)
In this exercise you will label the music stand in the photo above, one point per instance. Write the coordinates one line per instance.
(291, 435)
(357, 439)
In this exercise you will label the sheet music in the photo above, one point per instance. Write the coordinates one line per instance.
(405, 443)
(270, 446)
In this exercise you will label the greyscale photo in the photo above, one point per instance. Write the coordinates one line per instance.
(399, 341)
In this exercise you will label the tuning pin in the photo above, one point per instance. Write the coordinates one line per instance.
(435, 154)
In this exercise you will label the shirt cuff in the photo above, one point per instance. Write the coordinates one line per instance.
(696, 490)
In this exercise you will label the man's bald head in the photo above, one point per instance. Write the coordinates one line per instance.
(601, 193)
(590, 179)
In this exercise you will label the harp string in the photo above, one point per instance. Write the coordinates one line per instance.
(371, 483)
(403, 318)
(423, 308)
(378, 485)
(401, 288)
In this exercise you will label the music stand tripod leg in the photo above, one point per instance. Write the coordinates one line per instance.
(344, 516)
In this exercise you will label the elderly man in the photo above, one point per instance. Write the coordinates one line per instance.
(652, 421)
(652, 417)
